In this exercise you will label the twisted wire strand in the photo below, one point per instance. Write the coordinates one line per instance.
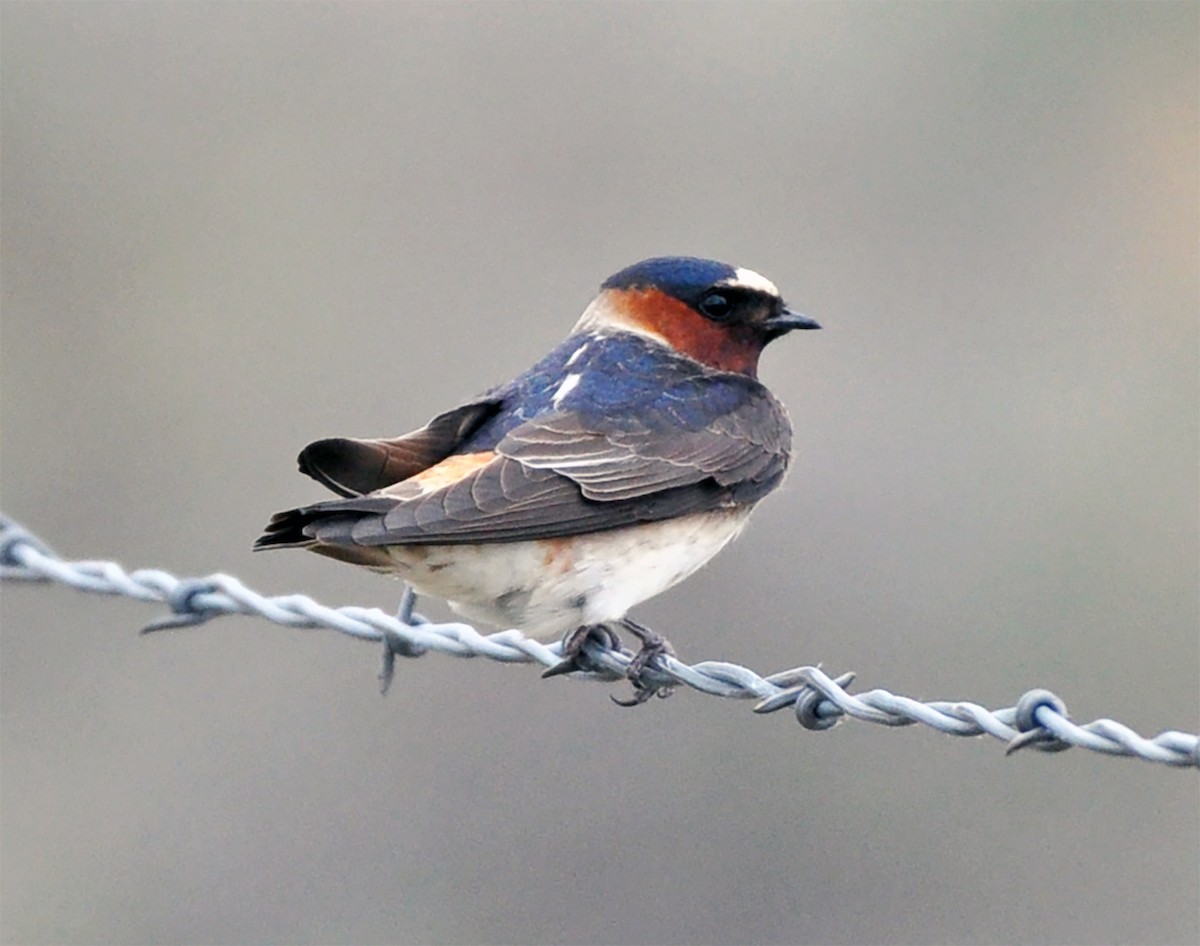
(819, 702)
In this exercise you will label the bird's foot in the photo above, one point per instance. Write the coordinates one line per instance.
(574, 657)
(654, 645)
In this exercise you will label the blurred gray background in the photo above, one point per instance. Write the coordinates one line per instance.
(231, 229)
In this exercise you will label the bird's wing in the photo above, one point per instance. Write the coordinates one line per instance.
(634, 457)
(356, 467)
(561, 474)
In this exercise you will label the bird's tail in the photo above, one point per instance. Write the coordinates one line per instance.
(286, 531)
(325, 528)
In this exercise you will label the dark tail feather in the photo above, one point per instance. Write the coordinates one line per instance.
(321, 524)
(324, 531)
(286, 531)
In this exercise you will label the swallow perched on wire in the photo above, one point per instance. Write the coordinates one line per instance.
(609, 471)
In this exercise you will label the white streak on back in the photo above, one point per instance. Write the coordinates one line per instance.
(569, 384)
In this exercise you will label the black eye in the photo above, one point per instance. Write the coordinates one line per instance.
(716, 306)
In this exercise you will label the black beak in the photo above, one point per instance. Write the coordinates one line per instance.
(786, 321)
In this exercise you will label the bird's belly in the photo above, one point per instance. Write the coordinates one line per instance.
(547, 587)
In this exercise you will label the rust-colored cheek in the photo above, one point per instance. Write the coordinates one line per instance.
(726, 348)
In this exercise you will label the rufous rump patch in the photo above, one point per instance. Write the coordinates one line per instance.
(451, 470)
(724, 347)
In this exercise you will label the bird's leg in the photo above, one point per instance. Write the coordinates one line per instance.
(572, 648)
(654, 645)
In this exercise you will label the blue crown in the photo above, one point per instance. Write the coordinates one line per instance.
(684, 277)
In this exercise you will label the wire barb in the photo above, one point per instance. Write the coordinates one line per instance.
(1039, 718)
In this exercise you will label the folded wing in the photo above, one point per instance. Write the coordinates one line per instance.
(556, 475)
(356, 467)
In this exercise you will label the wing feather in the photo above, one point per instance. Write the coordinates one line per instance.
(356, 467)
(558, 474)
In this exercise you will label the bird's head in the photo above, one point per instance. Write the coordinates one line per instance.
(720, 315)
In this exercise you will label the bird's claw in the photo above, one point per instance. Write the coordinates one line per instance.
(654, 645)
(642, 694)
(575, 658)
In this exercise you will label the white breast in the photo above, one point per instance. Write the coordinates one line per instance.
(548, 587)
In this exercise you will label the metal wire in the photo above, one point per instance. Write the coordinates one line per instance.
(1039, 719)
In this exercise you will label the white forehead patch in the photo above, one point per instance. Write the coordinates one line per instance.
(749, 279)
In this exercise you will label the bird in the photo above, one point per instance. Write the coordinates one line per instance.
(611, 470)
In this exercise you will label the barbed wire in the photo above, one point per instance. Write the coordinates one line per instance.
(1039, 719)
